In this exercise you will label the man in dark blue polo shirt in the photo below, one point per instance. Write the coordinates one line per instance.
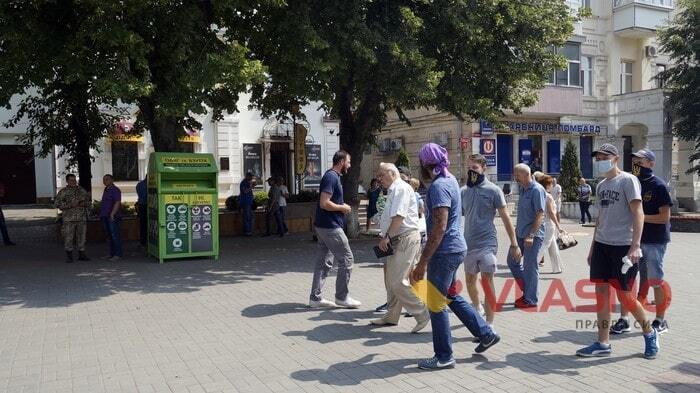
(656, 203)
(332, 242)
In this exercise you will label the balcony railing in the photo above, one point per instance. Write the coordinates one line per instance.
(656, 3)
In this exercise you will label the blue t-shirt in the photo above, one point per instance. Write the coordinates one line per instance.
(330, 184)
(444, 192)
(532, 199)
(246, 195)
(655, 195)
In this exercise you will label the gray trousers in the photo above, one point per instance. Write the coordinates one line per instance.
(333, 246)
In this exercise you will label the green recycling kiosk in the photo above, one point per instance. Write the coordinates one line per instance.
(183, 213)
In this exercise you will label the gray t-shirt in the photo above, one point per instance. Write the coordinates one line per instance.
(479, 205)
(613, 197)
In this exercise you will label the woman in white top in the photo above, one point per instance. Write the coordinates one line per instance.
(551, 227)
(284, 194)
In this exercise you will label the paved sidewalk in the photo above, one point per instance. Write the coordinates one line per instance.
(241, 325)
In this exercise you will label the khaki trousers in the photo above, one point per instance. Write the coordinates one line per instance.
(74, 233)
(398, 287)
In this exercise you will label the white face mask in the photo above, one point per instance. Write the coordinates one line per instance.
(604, 166)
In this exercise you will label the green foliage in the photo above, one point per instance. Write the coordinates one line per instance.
(681, 41)
(126, 209)
(402, 159)
(304, 196)
(570, 173)
(260, 198)
(363, 58)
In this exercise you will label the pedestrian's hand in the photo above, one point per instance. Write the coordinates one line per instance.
(634, 254)
(384, 244)
(346, 208)
(515, 253)
(590, 255)
(418, 272)
(529, 242)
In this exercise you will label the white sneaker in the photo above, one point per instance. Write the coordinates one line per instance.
(323, 303)
(481, 311)
(348, 302)
(115, 258)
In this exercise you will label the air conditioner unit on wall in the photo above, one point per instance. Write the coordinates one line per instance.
(650, 51)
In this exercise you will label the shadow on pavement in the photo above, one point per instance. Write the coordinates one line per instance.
(36, 275)
(580, 337)
(363, 369)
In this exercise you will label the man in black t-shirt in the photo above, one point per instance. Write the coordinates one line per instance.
(656, 202)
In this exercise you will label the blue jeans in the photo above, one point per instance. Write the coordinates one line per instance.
(651, 267)
(114, 233)
(248, 219)
(527, 274)
(276, 213)
(442, 271)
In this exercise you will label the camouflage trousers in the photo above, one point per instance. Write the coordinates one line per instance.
(74, 234)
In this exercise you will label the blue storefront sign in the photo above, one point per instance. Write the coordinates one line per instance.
(525, 151)
(554, 128)
(485, 127)
(487, 148)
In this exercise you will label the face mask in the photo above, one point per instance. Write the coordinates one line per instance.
(604, 166)
(641, 172)
(474, 178)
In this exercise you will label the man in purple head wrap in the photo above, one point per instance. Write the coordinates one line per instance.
(443, 253)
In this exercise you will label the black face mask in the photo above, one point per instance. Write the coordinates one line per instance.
(641, 172)
(474, 179)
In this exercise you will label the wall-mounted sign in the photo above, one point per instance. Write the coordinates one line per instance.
(487, 147)
(314, 171)
(299, 148)
(555, 128)
(485, 128)
(252, 161)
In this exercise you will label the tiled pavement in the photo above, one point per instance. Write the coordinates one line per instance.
(241, 325)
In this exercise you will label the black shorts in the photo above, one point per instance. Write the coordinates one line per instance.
(606, 265)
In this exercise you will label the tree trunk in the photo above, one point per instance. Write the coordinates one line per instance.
(164, 131)
(81, 128)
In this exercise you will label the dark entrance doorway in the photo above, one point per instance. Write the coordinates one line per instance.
(125, 161)
(279, 161)
(17, 174)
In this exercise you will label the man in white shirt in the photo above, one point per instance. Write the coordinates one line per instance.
(399, 226)
(284, 194)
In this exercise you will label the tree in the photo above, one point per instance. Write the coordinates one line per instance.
(570, 173)
(63, 60)
(193, 63)
(681, 41)
(362, 58)
(402, 159)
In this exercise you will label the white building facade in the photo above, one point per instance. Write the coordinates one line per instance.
(241, 142)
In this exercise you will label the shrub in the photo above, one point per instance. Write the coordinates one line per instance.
(570, 173)
(126, 209)
(260, 199)
(304, 196)
(402, 159)
(232, 203)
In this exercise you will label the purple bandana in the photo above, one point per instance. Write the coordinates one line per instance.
(433, 154)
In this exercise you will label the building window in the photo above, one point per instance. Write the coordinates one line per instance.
(571, 75)
(658, 80)
(626, 77)
(587, 75)
(125, 161)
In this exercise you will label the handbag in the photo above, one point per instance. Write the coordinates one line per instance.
(566, 240)
(381, 253)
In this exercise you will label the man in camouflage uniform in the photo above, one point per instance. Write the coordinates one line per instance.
(72, 201)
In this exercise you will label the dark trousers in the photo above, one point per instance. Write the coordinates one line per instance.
(276, 213)
(113, 232)
(3, 228)
(584, 211)
(143, 224)
(283, 218)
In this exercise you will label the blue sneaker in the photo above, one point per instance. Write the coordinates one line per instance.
(651, 345)
(595, 350)
(435, 364)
